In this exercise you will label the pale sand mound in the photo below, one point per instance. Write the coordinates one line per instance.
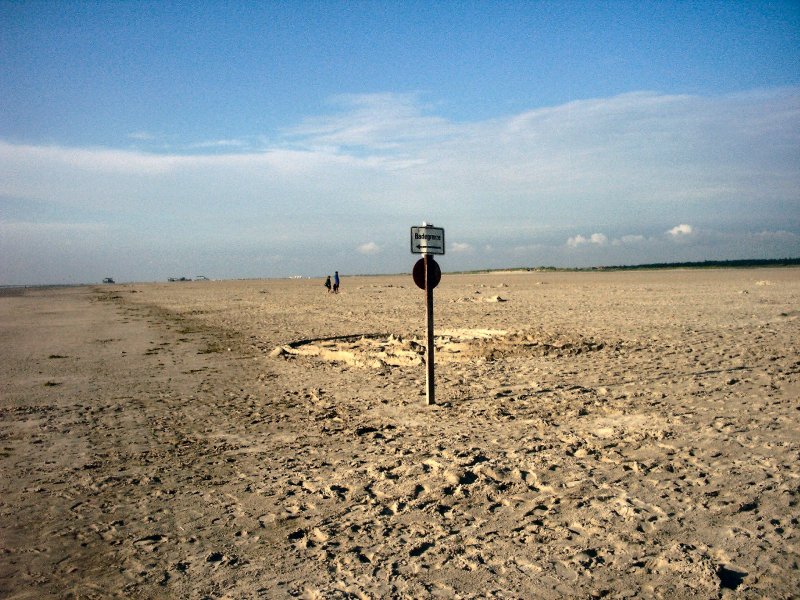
(380, 351)
(604, 435)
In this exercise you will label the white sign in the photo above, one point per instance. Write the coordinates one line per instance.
(427, 240)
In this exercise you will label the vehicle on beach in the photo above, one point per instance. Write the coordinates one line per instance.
(108, 280)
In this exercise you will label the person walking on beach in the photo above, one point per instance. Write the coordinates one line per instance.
(336, 282)
(328, 283)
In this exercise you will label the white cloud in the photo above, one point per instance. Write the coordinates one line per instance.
(635, 151)
(599, 239)
(369, 248)
(19, 161)
(576, 241)
(527, 181)
(681, 230)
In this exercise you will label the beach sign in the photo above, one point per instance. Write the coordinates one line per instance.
(428, 240)
(433, 273)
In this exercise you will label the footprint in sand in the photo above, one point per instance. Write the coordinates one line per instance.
(151, 542)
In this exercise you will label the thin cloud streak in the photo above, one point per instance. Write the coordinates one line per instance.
(643, 137)
(374, 123)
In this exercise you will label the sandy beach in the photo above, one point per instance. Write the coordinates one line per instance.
(604, 434)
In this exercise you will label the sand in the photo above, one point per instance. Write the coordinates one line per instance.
(621, 435)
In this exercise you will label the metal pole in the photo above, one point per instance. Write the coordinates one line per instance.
(429, 384)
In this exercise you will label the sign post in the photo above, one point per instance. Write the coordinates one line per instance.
(430, 391)
(428, 240)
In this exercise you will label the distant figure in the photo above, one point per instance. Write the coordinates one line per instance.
(328, 283)
(336, 282)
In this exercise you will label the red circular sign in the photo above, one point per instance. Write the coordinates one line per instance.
(434, 276)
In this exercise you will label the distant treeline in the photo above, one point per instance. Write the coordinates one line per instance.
(715, 264)
(706, 264)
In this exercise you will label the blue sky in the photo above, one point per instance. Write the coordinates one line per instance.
(143, 140)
